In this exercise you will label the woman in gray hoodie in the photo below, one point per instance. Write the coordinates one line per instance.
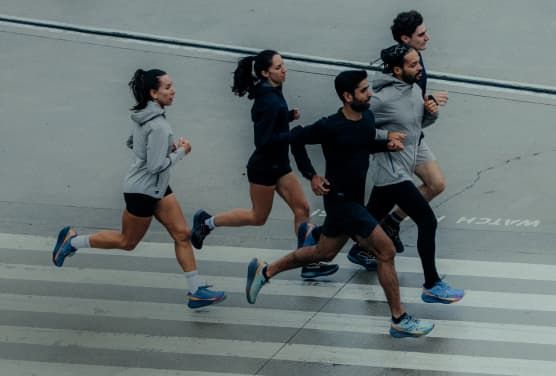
(147, 192)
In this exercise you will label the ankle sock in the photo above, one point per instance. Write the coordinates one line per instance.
(210, 223)
(399, 319)
(193, 281)
(80, 241)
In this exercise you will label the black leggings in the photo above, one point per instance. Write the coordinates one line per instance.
(411, 201)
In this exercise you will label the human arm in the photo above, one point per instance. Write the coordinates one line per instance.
(265, 124)
(158, 158)
(430, 114)
(301, 136)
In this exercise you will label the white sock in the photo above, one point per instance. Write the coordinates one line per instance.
(80, 241)
(210, 223)
(193, 281)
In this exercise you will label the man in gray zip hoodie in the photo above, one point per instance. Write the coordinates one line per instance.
(398, 105)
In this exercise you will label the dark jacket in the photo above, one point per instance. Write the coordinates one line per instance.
(346, 146)
(271, 119)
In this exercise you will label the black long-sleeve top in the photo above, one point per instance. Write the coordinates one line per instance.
(271, 119)
(346, 145)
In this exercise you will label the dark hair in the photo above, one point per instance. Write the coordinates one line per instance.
(394, 56)
(141, 85)
(347, 82)
(244, 80)
(405, 23)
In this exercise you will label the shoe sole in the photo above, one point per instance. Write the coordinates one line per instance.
(330, 272)
(355, 261)
(204, 303)
(61, 236)
(433, 299)
(400, 334)
(251, 273)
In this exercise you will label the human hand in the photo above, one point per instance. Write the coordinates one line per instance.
(396, 136)
(319, 185)
(184, 143)
(441, 97)
(395, 145)
(431, 106)
(296, 114)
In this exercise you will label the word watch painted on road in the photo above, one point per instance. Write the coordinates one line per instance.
(473, 220)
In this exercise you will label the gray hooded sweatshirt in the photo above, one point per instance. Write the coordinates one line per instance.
(398, 106)
(152, 141)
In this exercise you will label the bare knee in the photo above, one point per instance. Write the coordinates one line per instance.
(302, 211)
(129, 244)
(181, 234)
(436, 187)
(386, 253)
(258, 220)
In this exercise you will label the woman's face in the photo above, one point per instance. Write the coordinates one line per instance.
(165, 94)
(276, 73)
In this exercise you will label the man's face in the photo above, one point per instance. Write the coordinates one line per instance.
(412, 69)
(361, 97)
(418, 39)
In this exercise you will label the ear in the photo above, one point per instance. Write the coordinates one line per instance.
(265, 74)
(405, 39)
(348, 97)
(154, 94)
(397, 71)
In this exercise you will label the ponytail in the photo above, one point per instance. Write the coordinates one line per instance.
(249, 72)
(244, 80)
(141, 85)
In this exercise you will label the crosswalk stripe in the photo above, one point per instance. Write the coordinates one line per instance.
(264, 350)
(416, 360)
(473, 298)
(137, 342)
(252, 316)
(27, 368)
(489, 269)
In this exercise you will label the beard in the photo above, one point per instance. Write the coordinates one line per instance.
(359, 106)
(411, 79)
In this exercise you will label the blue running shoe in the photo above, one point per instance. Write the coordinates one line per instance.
(318, 270)
(204, 297)
(302, 234)
(63, 247)
(443, 293)
(410, 327)
(360, 256)
(255, 279)
(200, 229)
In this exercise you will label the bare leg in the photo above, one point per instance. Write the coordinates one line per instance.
(133, 230)
(433, 180)
(168, 212)
(290, 189)
(382, 247)
(325, 250)
(261, 199)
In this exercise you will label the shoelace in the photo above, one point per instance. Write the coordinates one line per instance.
(410, 323)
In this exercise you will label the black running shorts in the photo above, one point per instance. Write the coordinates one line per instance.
(346, 217)
(141, 205)
(269, 176)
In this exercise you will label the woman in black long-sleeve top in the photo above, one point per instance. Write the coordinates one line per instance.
(268, 170)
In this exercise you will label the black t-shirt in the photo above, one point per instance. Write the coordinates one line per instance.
(346, 145)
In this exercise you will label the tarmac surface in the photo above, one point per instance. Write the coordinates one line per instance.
(65, 121)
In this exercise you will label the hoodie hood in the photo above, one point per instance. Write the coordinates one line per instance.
(386, 80)
(151, 111)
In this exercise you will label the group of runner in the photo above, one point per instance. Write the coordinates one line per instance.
(386, 122)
